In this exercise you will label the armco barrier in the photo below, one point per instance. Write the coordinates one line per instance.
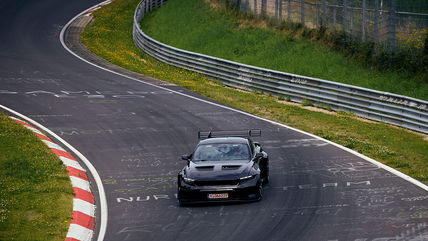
(395, 109)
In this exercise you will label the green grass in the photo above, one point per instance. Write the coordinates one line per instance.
(193, 25)
(109, 36)
(35, 190)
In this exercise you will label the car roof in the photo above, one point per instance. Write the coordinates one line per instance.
(224, 140)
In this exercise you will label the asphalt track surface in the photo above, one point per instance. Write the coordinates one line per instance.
(134, 134)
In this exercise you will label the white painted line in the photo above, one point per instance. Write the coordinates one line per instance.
(80, 183)
(71, 163)
(103, 200)
(84, 207)
(80, 233)
(387, 168)
(101, 192)
(53, 145)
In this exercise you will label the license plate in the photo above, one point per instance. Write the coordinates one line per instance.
(218, 195)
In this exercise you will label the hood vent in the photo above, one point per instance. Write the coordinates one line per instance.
(205, 168)
(231, 167)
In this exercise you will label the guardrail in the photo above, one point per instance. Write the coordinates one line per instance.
(394, 109)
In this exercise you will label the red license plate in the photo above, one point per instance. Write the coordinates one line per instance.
(218, 195)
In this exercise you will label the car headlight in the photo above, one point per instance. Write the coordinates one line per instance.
(246, 178)
(188, 180)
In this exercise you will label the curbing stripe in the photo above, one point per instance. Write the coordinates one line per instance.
(77, 173)
(52, 145)
(43, 137)
(22, 122)
(71, 163)
(83, 220)
(62, 153)
(84, 207)
(84, 195)
(33, 129)
(80, 183)
(83, 214)
(77, 232)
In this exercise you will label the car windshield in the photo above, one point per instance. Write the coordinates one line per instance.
(221, 152)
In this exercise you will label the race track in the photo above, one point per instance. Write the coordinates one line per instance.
(134, 133)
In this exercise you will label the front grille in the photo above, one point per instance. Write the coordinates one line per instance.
(217, 183)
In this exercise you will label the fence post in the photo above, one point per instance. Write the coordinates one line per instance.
(376, 22)
(302, 12)
(363, 21)
(280, 10)
(276, 9)
(289, 11)
(345, 15)
(264, 8)
(317, 14)
(324, 13)
(351, 22)
(392, 24)
(255, 7)
(244, 6)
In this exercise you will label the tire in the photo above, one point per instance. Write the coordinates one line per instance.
(266, 179)
(266, 171)
(260, 192)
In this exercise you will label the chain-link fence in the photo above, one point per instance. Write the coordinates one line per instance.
(391, 22)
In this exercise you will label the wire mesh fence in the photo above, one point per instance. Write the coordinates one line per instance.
(390, 22)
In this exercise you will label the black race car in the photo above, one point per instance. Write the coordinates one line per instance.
(225, 166)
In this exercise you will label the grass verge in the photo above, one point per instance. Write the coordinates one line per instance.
(35, 191)
(196, 26)
(109, 36)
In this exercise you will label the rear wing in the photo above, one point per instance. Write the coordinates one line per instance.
(235, 133)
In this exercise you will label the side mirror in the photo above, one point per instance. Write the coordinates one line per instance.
(185, 157)
(258, 145)
(258, 155)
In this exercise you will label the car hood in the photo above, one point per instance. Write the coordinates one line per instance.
(217, 170)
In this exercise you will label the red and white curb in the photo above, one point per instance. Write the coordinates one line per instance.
(83, 215)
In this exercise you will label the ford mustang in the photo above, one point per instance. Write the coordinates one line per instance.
(225, 166)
